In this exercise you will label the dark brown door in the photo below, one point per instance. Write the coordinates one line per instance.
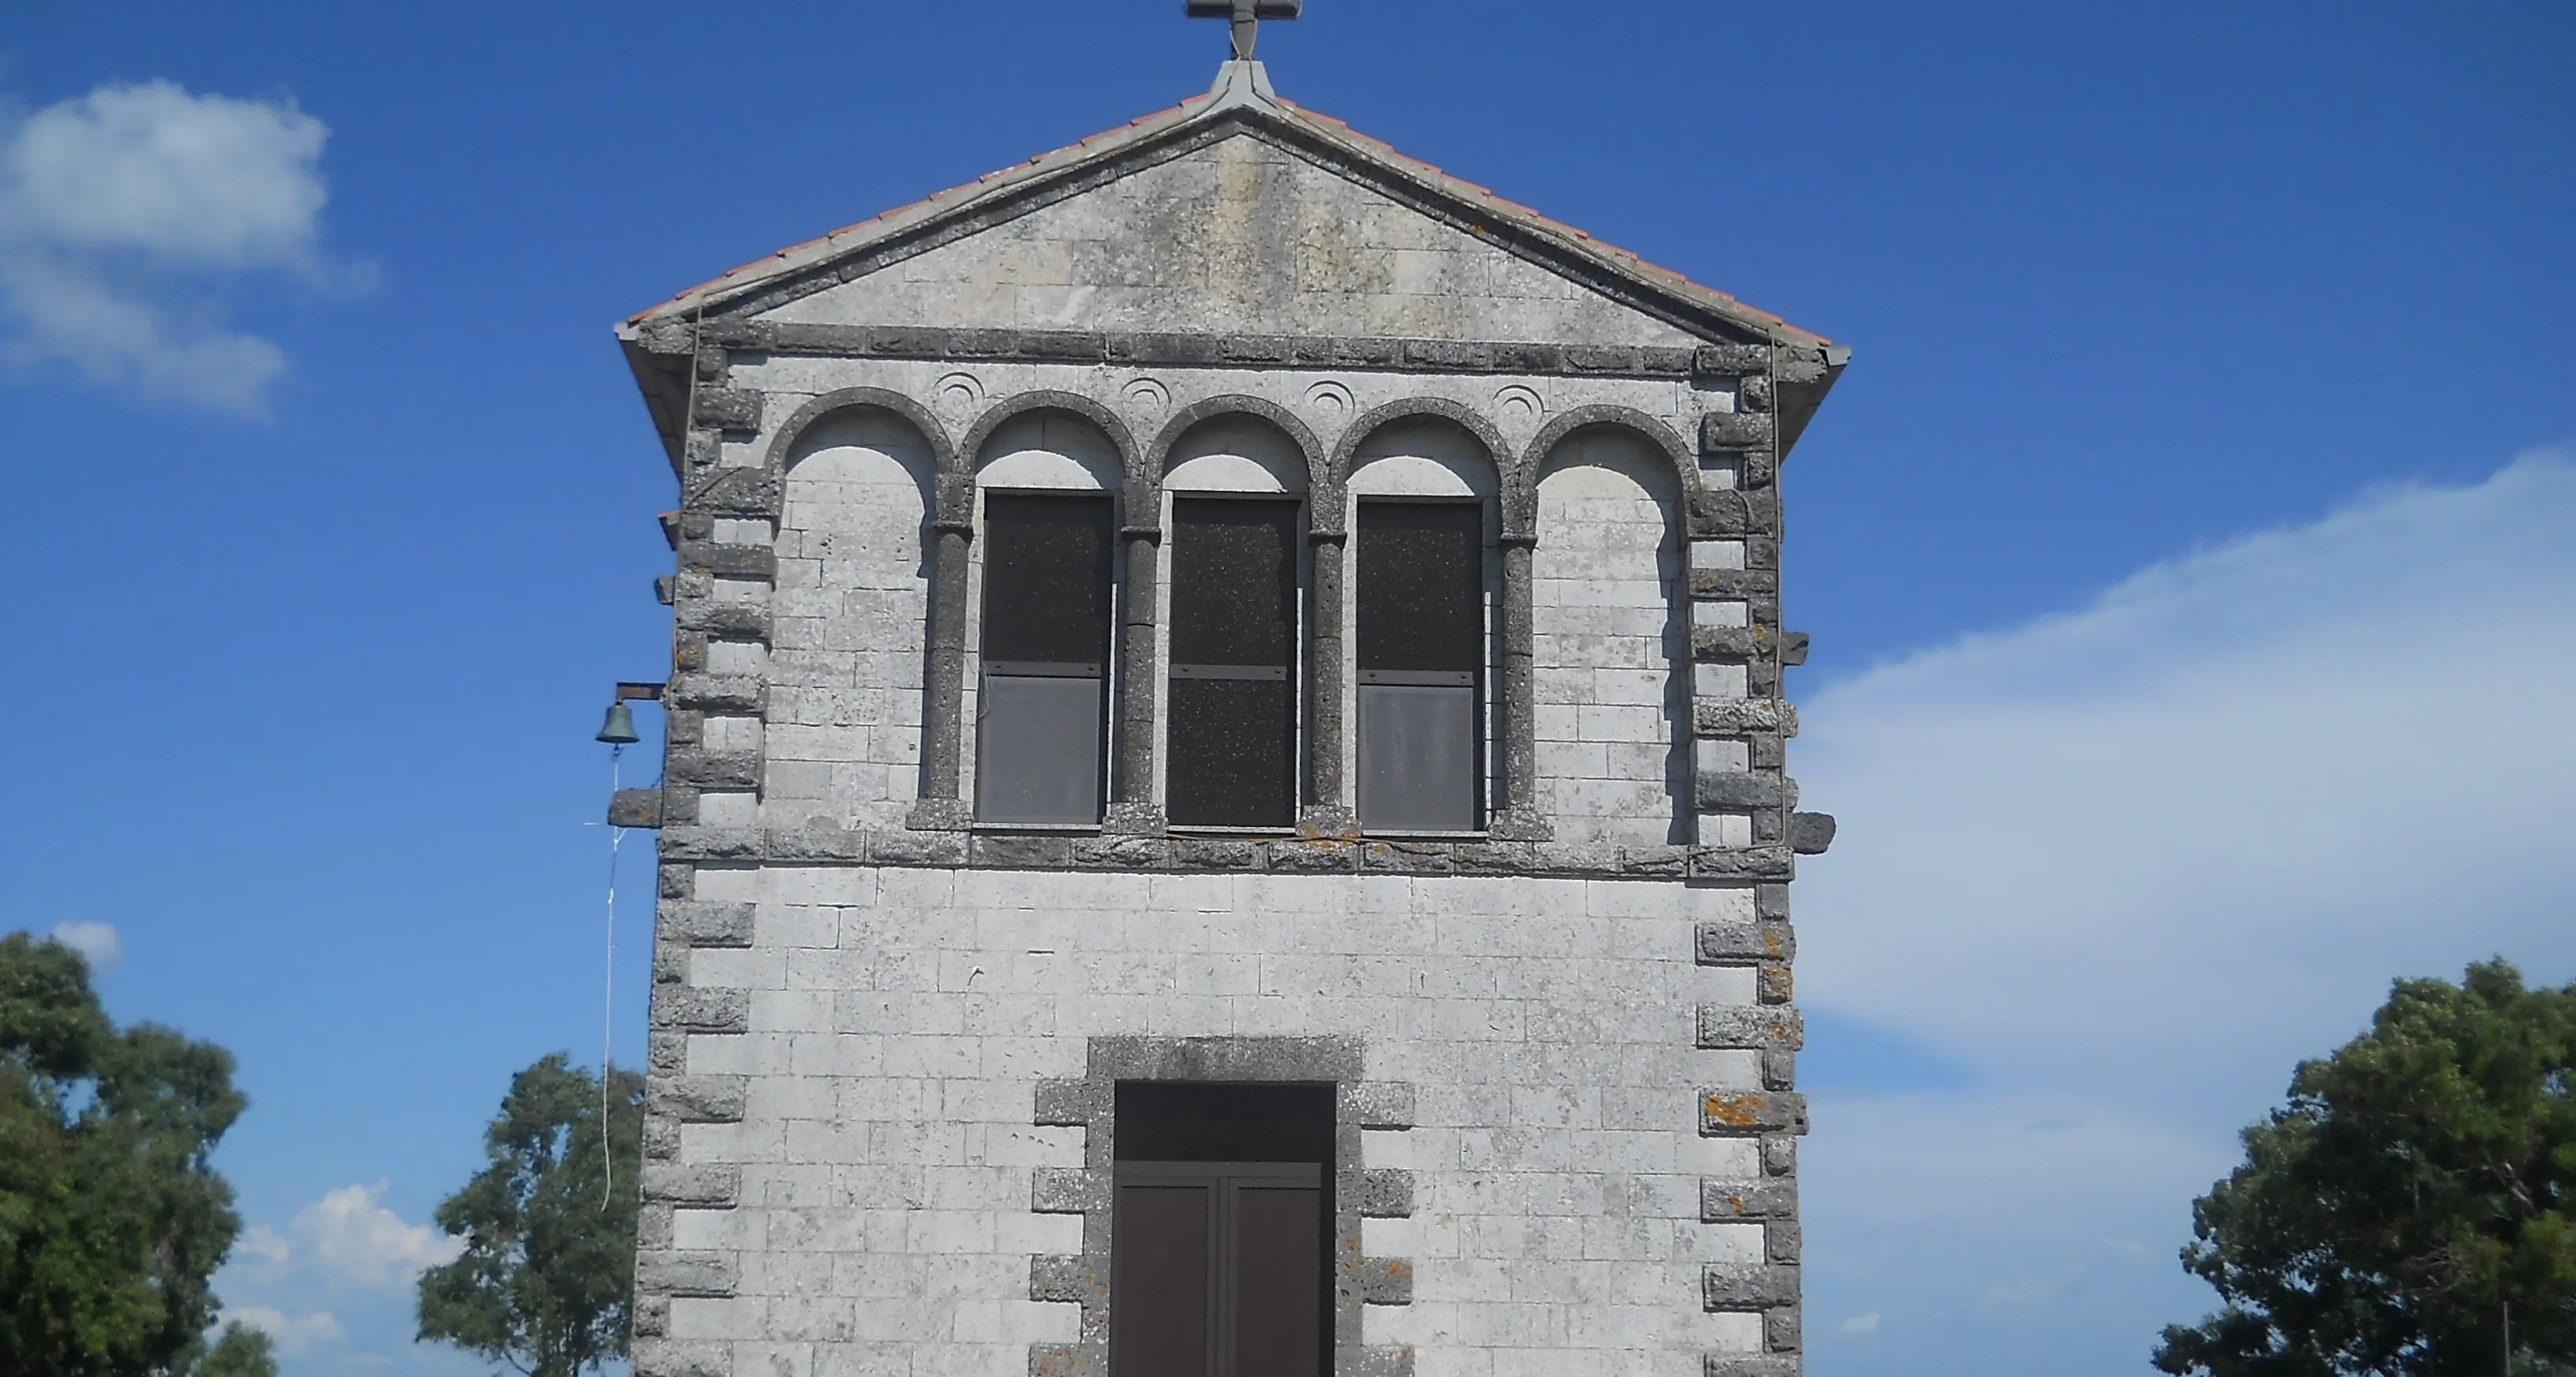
(1217, 1270)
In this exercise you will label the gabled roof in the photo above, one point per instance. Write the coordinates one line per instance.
(1241, 101)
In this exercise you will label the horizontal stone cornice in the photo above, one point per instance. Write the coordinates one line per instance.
(1187, 855)
(1175, 349)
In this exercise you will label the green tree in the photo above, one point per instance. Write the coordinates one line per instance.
(2419, 1182)
(240, 1351)
(111, 1219)
(547, 1277)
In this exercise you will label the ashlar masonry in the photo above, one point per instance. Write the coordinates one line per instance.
(1224, 809)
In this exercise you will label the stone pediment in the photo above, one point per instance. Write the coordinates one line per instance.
(1234, 213)
(1244, 236)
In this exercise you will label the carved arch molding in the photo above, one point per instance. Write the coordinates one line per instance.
(1328, 468)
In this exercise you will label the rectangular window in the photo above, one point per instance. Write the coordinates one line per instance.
(1232, 736)
(1421, 634)
(1219, 1231)
(1041, 719)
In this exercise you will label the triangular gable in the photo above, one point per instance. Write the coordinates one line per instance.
(1240, 237)
(1420, 254)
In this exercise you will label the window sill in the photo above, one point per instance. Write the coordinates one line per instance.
(1192, 829)
(1475, 836)
(1035, 829)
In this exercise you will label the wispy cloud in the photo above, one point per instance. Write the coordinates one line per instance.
(350, 1232)
(2123, 867)
(295, 1335)
(97, 941)
(1861, 1324)
(345, 1264)
(127, 214)
(261, 1243)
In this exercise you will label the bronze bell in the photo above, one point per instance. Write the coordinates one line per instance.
(619, 729)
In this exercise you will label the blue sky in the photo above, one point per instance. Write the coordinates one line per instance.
(2190, 552)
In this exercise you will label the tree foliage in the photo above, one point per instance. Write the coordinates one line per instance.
(111, 1219)
(240, 1351)
(2419, 1182)
(547, 1277)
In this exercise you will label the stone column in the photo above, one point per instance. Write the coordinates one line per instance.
(944, 679)
(1328, 809)
(1515, 797)
(1131, 808)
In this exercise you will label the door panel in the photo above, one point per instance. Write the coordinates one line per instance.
(1278, 1267)
(1161, 1296)
(1217, 1270)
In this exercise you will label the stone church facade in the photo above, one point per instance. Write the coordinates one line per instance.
(1224, 807)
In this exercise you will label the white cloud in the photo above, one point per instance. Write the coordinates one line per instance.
(2126, 865)
(1861, 1324)
(2213, 814)
(126, 212)
(97, 941)
(261, 1243)
(295, 1337)
(350, 1232)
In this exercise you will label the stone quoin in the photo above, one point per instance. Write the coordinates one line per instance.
(1224, 807)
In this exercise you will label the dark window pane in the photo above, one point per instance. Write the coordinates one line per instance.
(1421, 571)
(1276, 1291)
(1041, 720)
(1231, 724)
(1234, 582)
(1160, 1283)
(1046, 578)
(1233, 752)
(1421, 656)
(1200, 1121)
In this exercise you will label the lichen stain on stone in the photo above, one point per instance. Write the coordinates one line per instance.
(1248, 245)
(1735, 1111)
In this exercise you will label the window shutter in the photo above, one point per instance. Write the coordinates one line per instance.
(1042, 715)
(1421, 665)
(1232, 700)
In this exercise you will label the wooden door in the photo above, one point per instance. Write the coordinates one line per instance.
(1216, 1269)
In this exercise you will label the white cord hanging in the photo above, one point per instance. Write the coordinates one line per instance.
(608, 997)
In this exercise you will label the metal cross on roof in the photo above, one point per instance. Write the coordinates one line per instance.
(1247, 16)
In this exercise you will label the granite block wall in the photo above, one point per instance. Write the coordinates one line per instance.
(861, 1165)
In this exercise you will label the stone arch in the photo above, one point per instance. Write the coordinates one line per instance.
(1610, 629)
(970, 450)
(1337, 469)
(1101, 457)
(1159, 454)
(1555, 432)
(943, 454)
(857, 502)
(1509, 771)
